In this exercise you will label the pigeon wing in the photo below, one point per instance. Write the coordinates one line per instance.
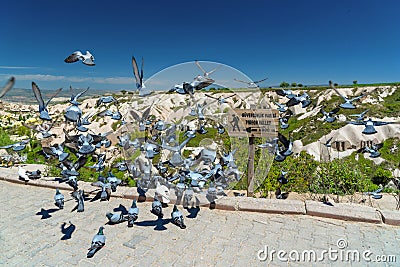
(38, 95)
(74, 57)
(53, 96)
(260, 80)
(7, 87)
(337, 92)
(136, 72)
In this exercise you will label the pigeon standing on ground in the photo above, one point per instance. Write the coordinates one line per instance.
(133, 214)
(59, 199)
(98, 241)
(79, 196)
(329, 116)
(156, 208)
(44, 113)
(7, 87)
(86, 59)
(177, 217)
(115, 218)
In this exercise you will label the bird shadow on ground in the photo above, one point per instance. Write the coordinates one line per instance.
(122, 209)
(159, 224)
(193, 211)
(67, 231)
(46, 213)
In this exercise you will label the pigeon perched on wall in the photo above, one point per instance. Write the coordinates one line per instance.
(72, 181)
(44, 112)
(34, 174)
(375, 194)
(98, 241)
(156, 208)
(7, 87)
(177, 217)
(59, 199)
(22, 174)
(133, 214)
(115, 218)
(86, 59)
(114, 181)
(79, 196)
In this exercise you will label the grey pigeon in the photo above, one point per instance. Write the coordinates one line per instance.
(17, 146)
(98, 241)
(329, 116)
(72, 113)
(156, 208)
(105, 188)
(86, 59)
(34, 174)
(105, 100)
(115, 218)
(177, 217)
(369, 125)
(143, 91)
(133, 214)
(251, 84)
(114, 181)
(74, 97)
(360, 116)
(72, 181)
(59, 199)
(347, 102)
(44, 113)
(221, 99)
(7, 87)
(79, 196)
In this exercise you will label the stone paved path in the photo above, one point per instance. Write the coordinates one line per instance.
(213, 238)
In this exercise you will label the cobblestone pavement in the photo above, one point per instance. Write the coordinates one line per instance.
(212, 238)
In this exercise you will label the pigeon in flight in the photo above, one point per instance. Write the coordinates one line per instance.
(98, 241)
(7, 87)
(329, 116)
(369, 125)
(17, 146)
(86, 59)
(143, 91)
(347, 102)
(205, 73)
(252, 84)
(372, 150)
(44, 113)
(177, 217)
(74, 97)
(221, 99)
(360, 116)
(59, 199)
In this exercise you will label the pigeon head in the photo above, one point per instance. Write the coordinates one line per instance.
(109, 215)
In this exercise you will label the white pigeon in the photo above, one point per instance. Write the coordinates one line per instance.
(86, 59)
(22, 174)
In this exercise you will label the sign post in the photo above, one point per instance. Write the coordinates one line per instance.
(252, 123)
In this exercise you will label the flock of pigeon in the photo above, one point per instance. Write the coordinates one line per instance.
(205, 174)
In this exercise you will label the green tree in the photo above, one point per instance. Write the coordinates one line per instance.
(284, 84)
(355, 82)
(300, 85)
(294, 84)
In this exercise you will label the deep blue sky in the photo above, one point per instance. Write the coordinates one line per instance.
(307, 42)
